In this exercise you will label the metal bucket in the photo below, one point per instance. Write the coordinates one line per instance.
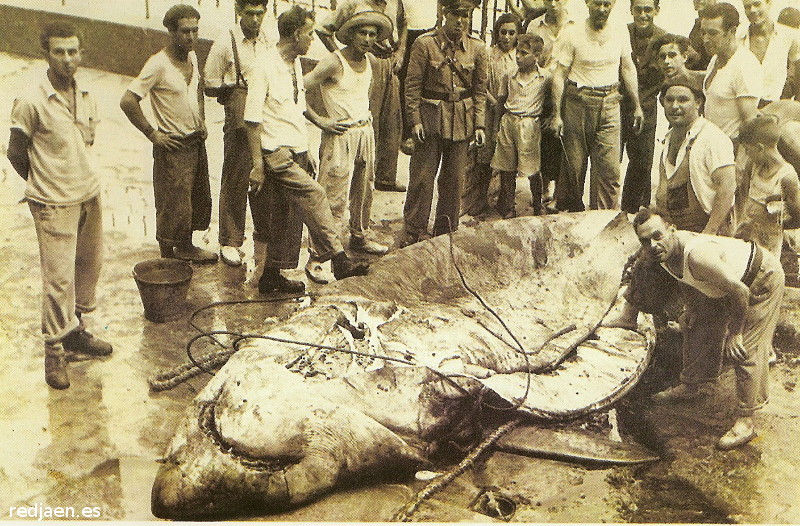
(163, 284)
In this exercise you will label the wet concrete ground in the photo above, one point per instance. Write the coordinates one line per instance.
(97, 443)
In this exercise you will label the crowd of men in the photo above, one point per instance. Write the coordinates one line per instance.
(551, 96)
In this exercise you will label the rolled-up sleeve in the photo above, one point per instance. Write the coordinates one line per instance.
(218, 61)
(564, 48)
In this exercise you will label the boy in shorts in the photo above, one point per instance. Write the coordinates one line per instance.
(522, 97)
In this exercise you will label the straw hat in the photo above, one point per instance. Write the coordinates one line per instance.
(365, 18)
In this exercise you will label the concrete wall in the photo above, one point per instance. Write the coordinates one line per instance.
(113, 47)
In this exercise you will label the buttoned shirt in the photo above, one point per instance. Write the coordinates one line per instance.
(783, 49)
(740, 77)
(645, 57)
(525, 97)
(175, 102)
(592, 57)
(276, 99)
(60, 170)
(549, 33)
(220, 68)
(451, 70)
(501, 63)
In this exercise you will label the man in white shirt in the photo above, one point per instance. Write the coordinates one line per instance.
(180, 168)
(590, 58)
(283, 189)
(227, 68)
(52, 127)
(733, 84)
(777, 48)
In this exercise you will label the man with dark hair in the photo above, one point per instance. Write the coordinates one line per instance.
(52, 127)
(640, 146)
(180, 169)
(446, 103)
(699, 59)
(591, 59)
(673, 52)
(776, 46)
(748, 283)
(227, 68)
(282, 186)
(733, 84)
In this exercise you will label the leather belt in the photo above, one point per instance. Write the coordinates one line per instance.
(753, 265)
(595, 90)
(449, 97)
(524, 115)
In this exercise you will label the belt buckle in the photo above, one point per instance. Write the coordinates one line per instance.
(453, 97)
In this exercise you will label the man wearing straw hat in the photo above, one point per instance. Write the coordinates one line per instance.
(347, 156)
(445, 97)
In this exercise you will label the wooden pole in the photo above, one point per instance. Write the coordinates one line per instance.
(484, 18)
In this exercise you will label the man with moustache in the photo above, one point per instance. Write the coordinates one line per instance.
(228, 65)
(591, 57)
(640, 146)
(52, 127)
(748, 284)
(180, 168)
(445, 95)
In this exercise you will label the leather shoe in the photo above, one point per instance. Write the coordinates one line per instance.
(390, 187)
(85, 343)
(55, 370)
(681, 392)
(230, 255)
(740, 434)
(195, 254)
(367, 246)
(277, 282)
(344, 267)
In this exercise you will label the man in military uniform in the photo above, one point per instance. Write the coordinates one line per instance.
(445, 94)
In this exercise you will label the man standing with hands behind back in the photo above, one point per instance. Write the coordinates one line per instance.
(52, 126)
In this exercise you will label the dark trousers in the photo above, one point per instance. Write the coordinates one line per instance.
(552, 155)
(636, 188)
(423, 169)
(236, 167)
(182, 191)
(384, 104)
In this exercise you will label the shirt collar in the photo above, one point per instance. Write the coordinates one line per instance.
(47, 87)
(446, 42)
(542, 21)
(239, 34)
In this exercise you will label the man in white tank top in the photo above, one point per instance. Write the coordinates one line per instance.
(347, 154)
(753, 281)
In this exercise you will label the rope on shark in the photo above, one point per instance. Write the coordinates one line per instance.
(439, 483)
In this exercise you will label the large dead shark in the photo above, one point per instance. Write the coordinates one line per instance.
(282, 423)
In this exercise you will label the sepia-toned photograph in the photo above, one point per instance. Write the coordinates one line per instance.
(368, 261)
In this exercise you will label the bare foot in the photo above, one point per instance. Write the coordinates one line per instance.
(626, 319)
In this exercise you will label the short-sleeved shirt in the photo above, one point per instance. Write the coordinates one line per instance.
(645, 58)
(592, 57)
(526, 97)
(782, 50)
(176, 104)
(712, 149)
(740, 77)
(501, 63)
(60, 169)
(220, 68)
(549, 34)
(278, 102)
